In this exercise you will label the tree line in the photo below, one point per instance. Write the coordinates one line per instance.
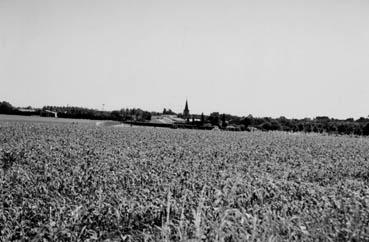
(321, 124)
(134, 114)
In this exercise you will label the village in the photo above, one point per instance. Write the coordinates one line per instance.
(188, 121)
(137, 117)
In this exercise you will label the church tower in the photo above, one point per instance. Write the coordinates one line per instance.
(186, 112)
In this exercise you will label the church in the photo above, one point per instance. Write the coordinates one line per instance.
(187, 117)
(181, 118)
(186, 112)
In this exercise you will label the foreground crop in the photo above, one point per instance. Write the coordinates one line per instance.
(78, 182)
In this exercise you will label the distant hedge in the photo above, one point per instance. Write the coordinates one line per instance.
(320, 124)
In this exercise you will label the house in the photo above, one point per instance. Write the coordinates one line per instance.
(232, 128)
(49, 113)
(253, 129)
(27, 111)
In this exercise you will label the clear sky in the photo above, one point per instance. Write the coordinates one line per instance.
(273, 58)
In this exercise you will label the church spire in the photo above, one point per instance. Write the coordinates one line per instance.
(186, 107)
(186, 111)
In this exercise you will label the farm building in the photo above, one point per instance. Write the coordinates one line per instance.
(166, 119)
(27, 111)
(232, 128)
(254, 129)
(48, 113)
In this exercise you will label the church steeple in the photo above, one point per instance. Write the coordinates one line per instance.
(186, 111)
(186, 107)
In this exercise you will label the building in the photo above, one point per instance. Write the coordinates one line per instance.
(166, 119)
(48, 113)
(186, 112)
(27, 111)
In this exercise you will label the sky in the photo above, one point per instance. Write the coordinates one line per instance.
(289, 58)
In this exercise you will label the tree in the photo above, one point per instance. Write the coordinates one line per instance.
(6, 108)
(249, 120)
(366, 129)
(265, 126)
(322, 118)
(275, 125)
(307, 128)
(362, 120)
(214, 118)
(146, 116)
(224, 124)
(116, 115)
(168, 111)
(349, 120)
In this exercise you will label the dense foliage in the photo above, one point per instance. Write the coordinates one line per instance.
(76, 182)
(6, 108)
(316, 125)
(321, 124)
(135, 114)
(86, 113)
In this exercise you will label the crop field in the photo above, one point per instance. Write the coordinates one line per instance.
(82, 182)
(18, 118)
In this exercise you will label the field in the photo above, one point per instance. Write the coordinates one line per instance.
(38, 119)
(75, 181)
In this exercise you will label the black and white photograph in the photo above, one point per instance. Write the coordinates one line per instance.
(184, 120)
